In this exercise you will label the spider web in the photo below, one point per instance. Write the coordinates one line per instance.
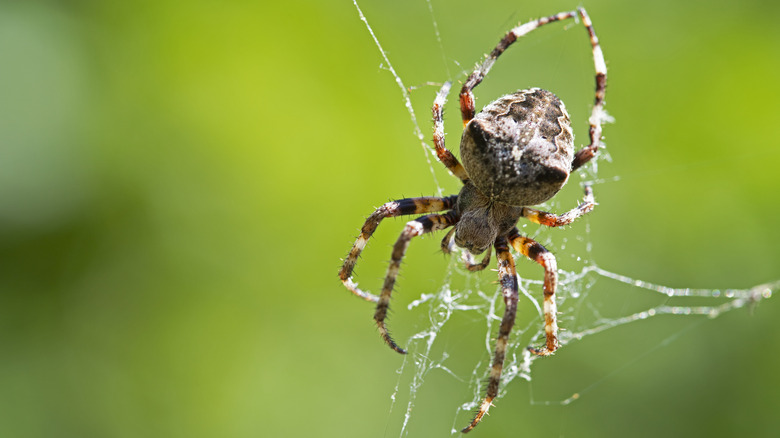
(582, 282)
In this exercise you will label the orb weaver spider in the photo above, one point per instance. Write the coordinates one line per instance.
(517, 152)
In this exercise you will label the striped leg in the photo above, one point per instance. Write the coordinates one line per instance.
(507, 276)
(466, 96)
(472, 265)
(553, 220)
(394, 208)
(597, 116)
(536, 252)
(445, 156)
(417, 227)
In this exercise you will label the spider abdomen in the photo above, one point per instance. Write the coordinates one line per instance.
(519, 149)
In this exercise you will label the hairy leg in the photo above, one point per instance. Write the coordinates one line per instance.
(507, 276)
(536, 252)
(400, 207)
(597, 115)
(444, 155)
(417, 227)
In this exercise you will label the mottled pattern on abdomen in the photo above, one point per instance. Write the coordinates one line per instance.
(518, 150)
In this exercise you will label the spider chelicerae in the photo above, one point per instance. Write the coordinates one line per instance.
(517, 152)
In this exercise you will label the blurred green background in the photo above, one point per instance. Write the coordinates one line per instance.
(179, 180)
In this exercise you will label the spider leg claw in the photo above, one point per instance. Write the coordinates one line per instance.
(395, 346)
(387, 338)
(483, 410)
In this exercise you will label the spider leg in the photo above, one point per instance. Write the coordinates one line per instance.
(536, 252)
(597, 114)
(448, 244)
(471, 263)
(445, 156)
(507, 276)
(400, 207)
(552, 220)
(466, 96)
(417, 227)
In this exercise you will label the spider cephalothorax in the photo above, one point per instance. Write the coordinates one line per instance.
(481, 220)
(517, 152)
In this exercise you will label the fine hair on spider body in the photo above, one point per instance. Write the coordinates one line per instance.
(517, 152)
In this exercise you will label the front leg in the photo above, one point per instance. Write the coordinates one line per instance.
(444, 155)
(467, 105)
(597, 115)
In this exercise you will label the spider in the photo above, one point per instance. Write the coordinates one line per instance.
(517, 152)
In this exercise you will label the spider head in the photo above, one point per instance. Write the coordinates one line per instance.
(481, 221)
(475, 232)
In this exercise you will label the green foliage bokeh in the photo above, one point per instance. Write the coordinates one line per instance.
(179, 180)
